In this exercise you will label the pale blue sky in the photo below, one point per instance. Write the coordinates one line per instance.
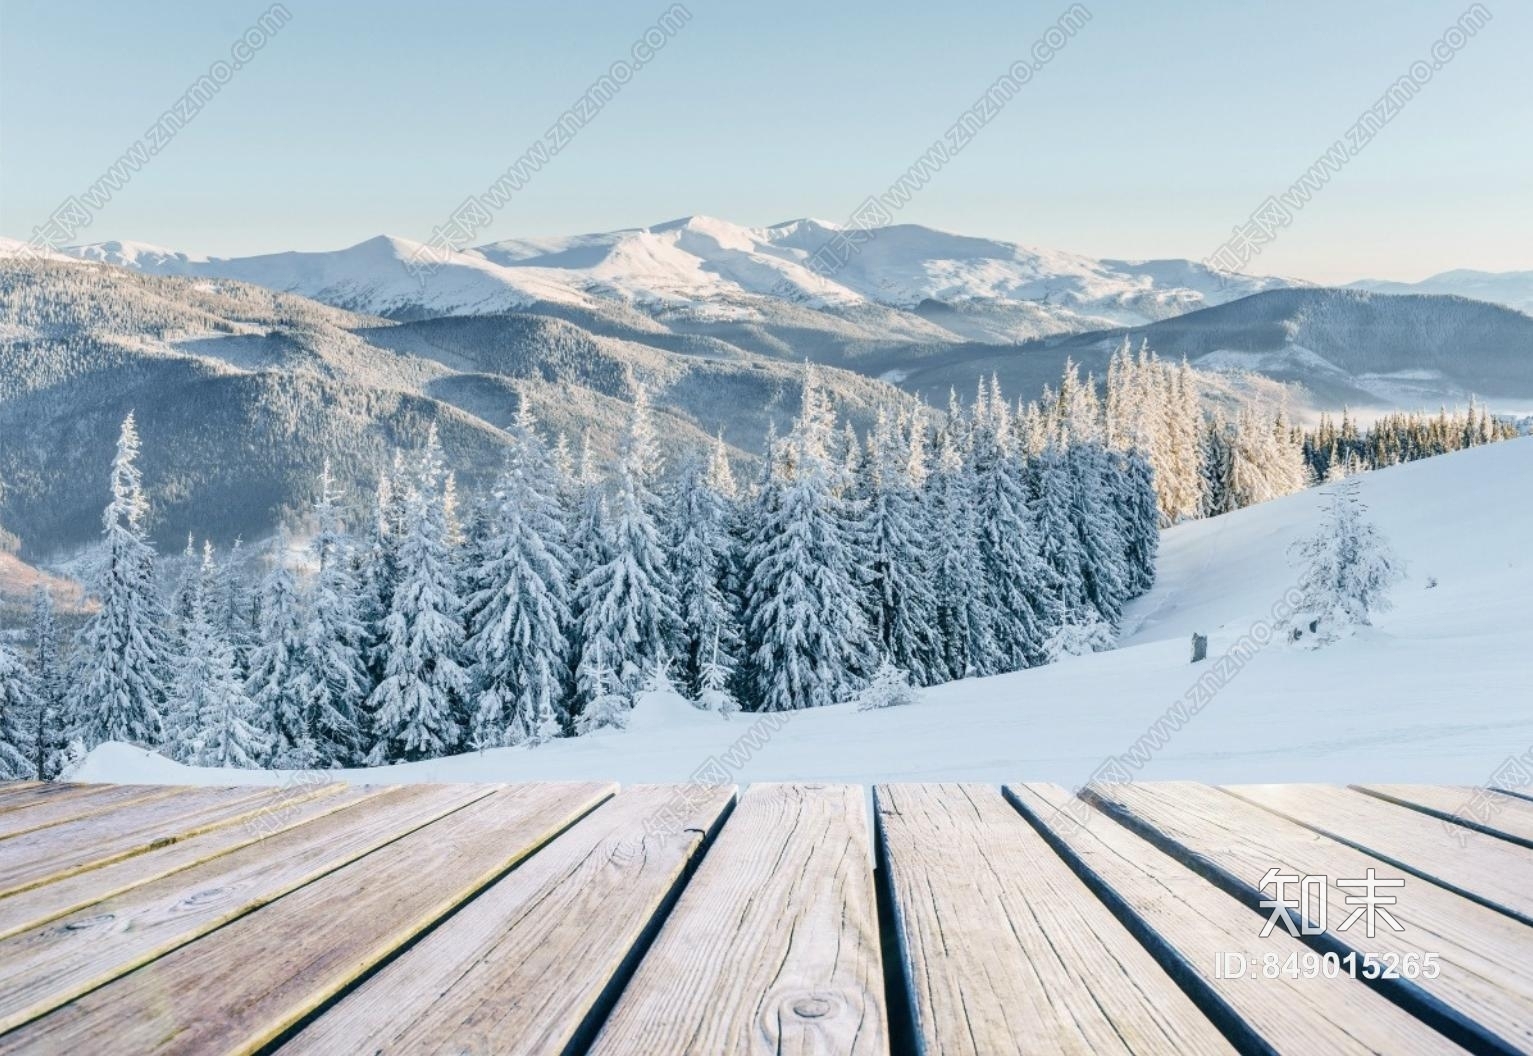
(1152, 133)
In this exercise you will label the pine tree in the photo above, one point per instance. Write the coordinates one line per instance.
(902, 603)
(212, 721)
(379, 563)
(1087, 633)
(608, 706)
(424, 684)
(122, 652)
(1346, 570)
(276, 668)
(963, 618)
(701, 560)
(20, 702)
(627, 601)
(49, 734)
(1141, 518)
(889, 688)
(1020, 588)
(1104, 573)
(332, 680)
(808, 643)
(714, 694)
(1054, 515)
(232, 608)
(520, 609)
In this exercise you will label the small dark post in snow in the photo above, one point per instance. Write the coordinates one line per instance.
(1199, 647)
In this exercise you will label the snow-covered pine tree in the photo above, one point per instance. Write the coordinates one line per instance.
(19, 704)
(187, 677)
(1053, 508)
(276, 667)
(49, 733)
(1264, 462)
(627, 602)
(1105, 573)
(608, 706)
(714, 694)
(1141, 518)
(701, 558)
(889, 688)
(424, 682)
(333, 678)
(123, 651)
(1183, 483)
(211, 719)
(1218, 466)
(894, 540)
(520, 610)
(1346, 570)
(1020, 587)
(1087, 633)
(721, 476)
(378, 564)
(191, 571)
(807, 639)
(963, 619)
(232, 607)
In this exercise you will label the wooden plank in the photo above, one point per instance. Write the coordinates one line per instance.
(77, 801)
(101, 839)
(16, 793)
(1197, 924)
(1484, 810)
(1005, 950)
(524, 967)
(1488, 871)
(1484, 993)
(38, 905)
(773, 946)
(42, 968)
(242, 986)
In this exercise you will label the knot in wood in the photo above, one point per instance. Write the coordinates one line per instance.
(813, 1007)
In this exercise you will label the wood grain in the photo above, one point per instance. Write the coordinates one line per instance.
(1488, 870)
(773, 946)
(1005, 950)
(1485, 988)
(16, 793)
(1475, 809)
(240, 987)
(60, 896)
(75, 801)
(44, 967)
(1200, 923)
(521, 969)
(100, 839)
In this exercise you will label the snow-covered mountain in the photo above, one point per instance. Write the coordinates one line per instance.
(1330, 347)
(1389, 704)
(242, 393)
(963, 287)
(373, 276)
(1514, 289)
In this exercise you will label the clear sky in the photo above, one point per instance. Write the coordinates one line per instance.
(1154, 131)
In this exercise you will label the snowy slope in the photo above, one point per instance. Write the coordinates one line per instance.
(701, 261)
(1437, 691)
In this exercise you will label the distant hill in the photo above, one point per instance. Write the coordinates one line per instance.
(1513, 289)
(241, 393)
(1333, 347)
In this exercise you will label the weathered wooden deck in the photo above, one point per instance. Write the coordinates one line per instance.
(580, 918)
